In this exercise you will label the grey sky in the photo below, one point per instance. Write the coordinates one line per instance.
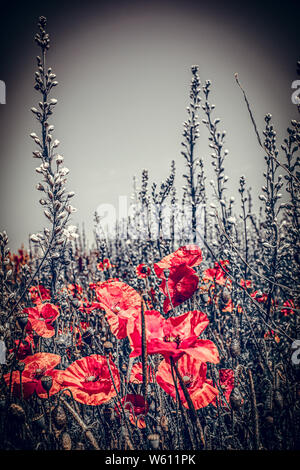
(124, 75)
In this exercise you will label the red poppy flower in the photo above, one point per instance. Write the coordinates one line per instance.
(39, 293)
(41, 318)
(226, 383)
(288, 311)
(259, 296)
(104, 265)
(120, 302)
(36, 367)
(272, 335)
(143, 271)
(174, 336)
(182, 279)
(136, 376)
(193, 373)
(228, 307)
(189, 255)
(246, 283)
(181, 284)
(137, 406)
(89, 380)
(26, 347)
(216, 274)
(75, 290)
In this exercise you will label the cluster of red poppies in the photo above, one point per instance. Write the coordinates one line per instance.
(94, 379)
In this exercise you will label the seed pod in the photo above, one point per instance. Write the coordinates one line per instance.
(66, 441)
(80, 446)
(47, 382)
(225, 296)
(22, 320)
(269, 420)
(39, 421)
(59, 417)
(20, 366)
(236, 399)
(17, 413)
(108, 346)
(108, 414)
(87, 336)
(235, 349)
(153, 440)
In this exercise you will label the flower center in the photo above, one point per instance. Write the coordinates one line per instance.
(172, 339)
(91, 378)
(187, 380)
(38, 373)
(116, 309)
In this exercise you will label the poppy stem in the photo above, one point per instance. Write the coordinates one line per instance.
(181, 406)
(189, 401)
(119, 399)
(144, 352)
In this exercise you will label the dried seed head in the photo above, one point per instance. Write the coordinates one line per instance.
(153, 440)
(108, 414)
(22, 320)
(108, 346)
(164, 423)
(225, 296)
(80, 446)
(88, 335)
(236, 399)
(39, 421)
(20, 366)
(235, 349)
(269, 420)
(47, 382)
(59, 417)
(66, 441)
(17, 412)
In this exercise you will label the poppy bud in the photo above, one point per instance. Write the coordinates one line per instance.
(236, 399)
(22, 320)
(47, 382)
(108, 346)
(153, 440)
(235, 349)
(87, 336)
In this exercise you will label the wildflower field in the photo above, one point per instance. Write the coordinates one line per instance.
(179, 331)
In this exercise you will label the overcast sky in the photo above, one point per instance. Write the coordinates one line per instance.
(124, 74)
